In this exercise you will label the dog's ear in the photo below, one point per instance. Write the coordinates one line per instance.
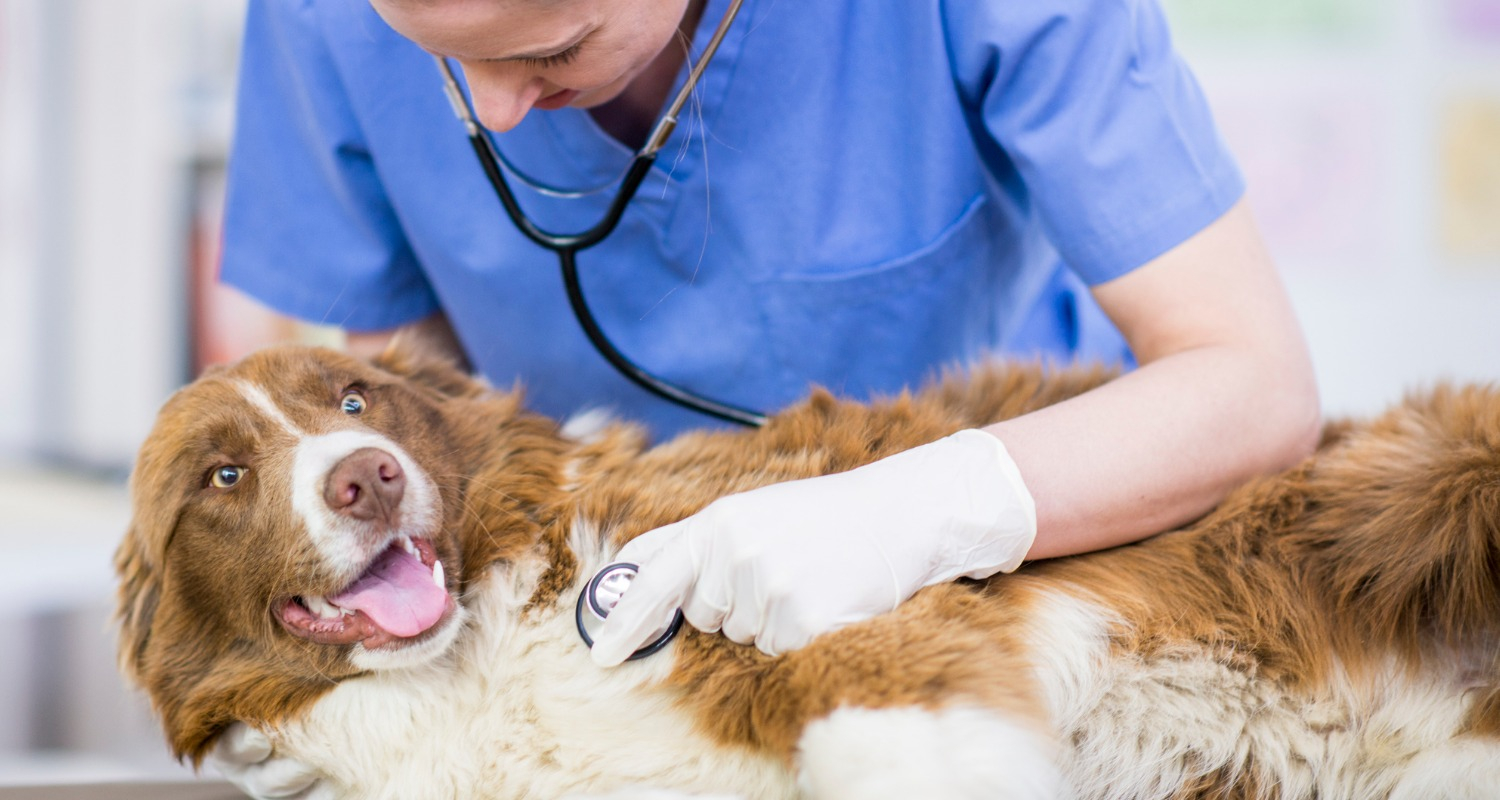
(199, 678)
(146, 656)
(200, 690)
(138, 594)
(428, 353)
(141, 650)
(156, 502)
(199, 683)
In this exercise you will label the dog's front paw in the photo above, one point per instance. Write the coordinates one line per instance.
(902, 753)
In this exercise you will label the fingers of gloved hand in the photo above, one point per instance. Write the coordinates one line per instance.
(646, 547)
(742, 625)
(717, 577)
(647, 607)
(757, 585)
(706, 605)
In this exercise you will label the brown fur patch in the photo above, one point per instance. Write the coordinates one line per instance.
(743, 697)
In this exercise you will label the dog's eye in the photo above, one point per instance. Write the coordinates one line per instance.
(226, 477)
(352, 402)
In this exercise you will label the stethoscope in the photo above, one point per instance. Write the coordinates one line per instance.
(567, 245)
(599, 597)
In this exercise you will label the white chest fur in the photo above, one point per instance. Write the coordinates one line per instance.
(517, 709)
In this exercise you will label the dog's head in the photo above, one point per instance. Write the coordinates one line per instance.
(296, 522)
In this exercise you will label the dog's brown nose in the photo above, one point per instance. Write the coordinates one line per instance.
(367, 485)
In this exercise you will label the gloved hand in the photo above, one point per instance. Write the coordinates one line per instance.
(244, 757)
(781, 564)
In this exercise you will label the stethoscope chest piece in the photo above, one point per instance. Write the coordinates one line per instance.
(599, 597)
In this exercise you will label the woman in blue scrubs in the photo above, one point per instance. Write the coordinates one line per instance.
(862, 194)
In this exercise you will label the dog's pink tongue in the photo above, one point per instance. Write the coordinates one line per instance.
(397, 593)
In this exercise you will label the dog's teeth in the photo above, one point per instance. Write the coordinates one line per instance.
(437, 574)
(407, 545)
(321, 607)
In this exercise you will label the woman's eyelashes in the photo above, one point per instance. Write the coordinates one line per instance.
(556, 59)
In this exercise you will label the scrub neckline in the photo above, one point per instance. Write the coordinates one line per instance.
(599, 156)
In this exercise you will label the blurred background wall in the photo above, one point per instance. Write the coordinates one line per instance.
(1370, 131)
(114, 119)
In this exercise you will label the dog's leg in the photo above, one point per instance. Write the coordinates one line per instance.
(901, 753)
(1464, 768)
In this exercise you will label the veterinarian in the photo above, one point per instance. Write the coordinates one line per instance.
(857, 195)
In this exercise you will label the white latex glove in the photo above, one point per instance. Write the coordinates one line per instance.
(244, 757)
(779, 565)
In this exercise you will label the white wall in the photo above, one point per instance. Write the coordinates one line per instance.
(105, 107)
(20, 127)
(1370, 133)
(121, 343)
(100, 123)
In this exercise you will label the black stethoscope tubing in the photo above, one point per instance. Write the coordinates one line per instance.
(567, 245)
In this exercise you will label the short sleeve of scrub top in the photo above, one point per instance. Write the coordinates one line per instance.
(310, 229)
(1100, 120)
(862, 195)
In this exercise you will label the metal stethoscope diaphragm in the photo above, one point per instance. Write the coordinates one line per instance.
(599, 597)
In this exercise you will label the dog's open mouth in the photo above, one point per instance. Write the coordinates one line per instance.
(402, 595)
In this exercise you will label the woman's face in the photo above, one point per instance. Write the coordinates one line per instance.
(523, 54)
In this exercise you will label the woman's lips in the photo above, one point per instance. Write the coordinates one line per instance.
(556, 100)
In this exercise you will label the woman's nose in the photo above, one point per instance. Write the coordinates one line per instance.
(502, 93)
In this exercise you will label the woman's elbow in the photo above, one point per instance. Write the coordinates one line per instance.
(1298, 415)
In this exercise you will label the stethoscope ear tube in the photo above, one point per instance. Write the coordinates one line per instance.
(633, 371)
(566, 246)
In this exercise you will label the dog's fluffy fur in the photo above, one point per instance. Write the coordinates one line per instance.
(1330, 632)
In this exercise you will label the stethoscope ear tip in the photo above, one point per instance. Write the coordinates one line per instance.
(599, 597)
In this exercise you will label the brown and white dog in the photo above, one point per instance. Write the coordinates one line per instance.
(377, 565)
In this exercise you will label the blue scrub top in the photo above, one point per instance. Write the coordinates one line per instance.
(864, 193)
